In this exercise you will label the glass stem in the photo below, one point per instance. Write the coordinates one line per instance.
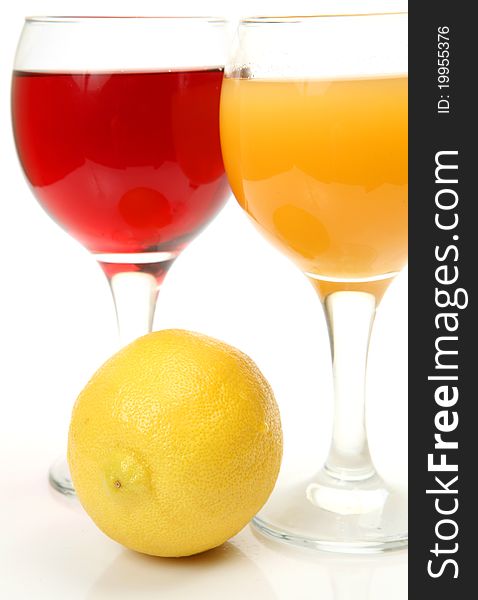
(134, 295)
(350, 316)
(135, 286)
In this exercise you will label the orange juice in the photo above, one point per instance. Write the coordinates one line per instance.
(321, 167)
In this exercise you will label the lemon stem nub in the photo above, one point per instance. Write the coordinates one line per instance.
(117, 484)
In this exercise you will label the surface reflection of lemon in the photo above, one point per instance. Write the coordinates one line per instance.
(175, 443)
(225, 572)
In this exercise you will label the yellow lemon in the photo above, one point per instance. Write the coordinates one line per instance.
(175, 443)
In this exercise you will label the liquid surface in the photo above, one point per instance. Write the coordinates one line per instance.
(125, 162)
(321, 168)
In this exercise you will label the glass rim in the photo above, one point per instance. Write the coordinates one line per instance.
(255, 20)
(100, 18)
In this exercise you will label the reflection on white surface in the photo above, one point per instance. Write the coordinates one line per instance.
(250, 568)
(224, 572)
(330, 576)
(369, 579)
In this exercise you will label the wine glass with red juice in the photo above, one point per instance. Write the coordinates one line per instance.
(116, 123)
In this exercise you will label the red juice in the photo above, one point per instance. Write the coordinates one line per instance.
(125, 162)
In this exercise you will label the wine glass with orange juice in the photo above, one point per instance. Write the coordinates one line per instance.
(314, 139)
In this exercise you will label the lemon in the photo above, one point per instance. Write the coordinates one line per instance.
(175, 443)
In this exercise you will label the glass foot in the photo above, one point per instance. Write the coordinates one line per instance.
(337, 516)
(59, 477)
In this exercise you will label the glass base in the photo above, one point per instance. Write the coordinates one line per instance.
(329, 514)
(60, 479)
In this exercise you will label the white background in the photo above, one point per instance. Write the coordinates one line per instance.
(57, 325)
